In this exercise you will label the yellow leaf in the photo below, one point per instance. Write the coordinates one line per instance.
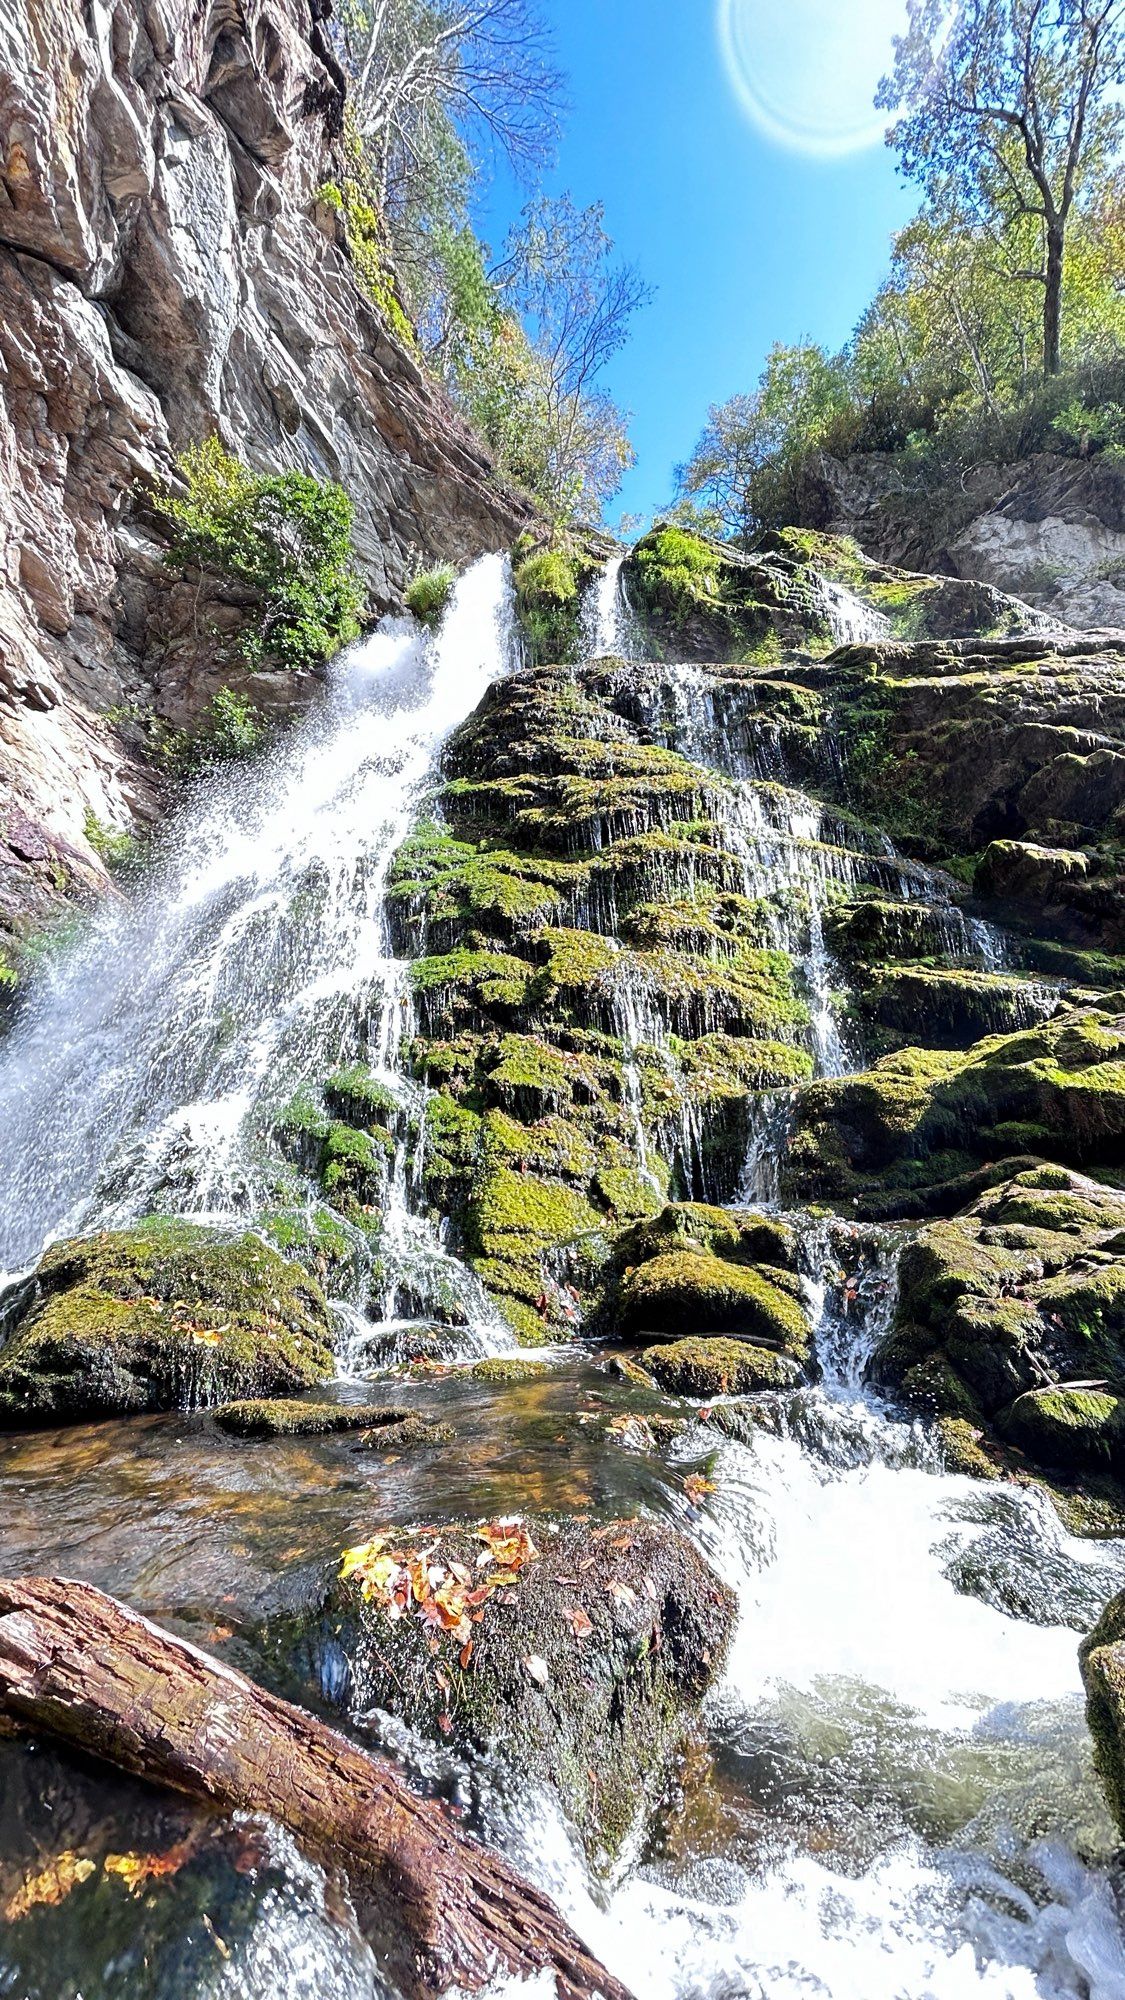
(50, 1886)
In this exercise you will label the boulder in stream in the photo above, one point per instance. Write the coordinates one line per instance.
(166, 1315)
(379, 1426)
(578, 1653)
(1102, 1658)
(1011, 1316)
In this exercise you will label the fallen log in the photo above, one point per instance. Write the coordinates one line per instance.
(442, 1910)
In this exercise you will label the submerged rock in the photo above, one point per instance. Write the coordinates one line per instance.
(383, 1428)
(581, 1664)
(167, 1315)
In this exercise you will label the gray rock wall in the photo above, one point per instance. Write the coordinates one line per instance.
(166, 269)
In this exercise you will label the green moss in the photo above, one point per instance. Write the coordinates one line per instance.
(360, 1098)
(503, 1370)
(289, 1417)
(548, 605)
(1073, 1429)
(158, 1317)
(690, 1288)
(718, 1368)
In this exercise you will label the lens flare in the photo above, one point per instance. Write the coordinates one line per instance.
(807, 71)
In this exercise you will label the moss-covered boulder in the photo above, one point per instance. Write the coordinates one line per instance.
(710, 1367)
(167, 1315)
(380, 1426)
(1102, 1659)
(923, 1117)
(1011, 1317)
(1071, 1429)
(577, 1653)
(691, 1289)
(695, 1270)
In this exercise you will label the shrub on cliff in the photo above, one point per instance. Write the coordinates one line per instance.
(285, 534)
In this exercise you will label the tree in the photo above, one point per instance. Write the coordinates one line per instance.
(1014, 105)
(742, 468)
(429, 75)
(559, 275)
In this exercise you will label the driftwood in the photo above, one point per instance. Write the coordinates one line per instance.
(78, 1666)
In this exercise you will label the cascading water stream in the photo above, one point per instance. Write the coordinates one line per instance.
(150, 1061)
(610, 627)
(895, 1799)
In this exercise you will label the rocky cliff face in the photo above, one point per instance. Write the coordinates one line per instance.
(165, 270)
(1051, 530)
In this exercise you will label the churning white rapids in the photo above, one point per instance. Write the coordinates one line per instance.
(895, 1800)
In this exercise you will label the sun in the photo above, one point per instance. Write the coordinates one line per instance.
(807, 71)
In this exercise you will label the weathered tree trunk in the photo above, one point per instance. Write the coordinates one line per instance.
(77, 1665)
(1052, 304)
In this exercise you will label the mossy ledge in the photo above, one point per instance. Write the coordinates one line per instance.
(167, 1315)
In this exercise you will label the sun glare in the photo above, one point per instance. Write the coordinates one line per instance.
(807, 71)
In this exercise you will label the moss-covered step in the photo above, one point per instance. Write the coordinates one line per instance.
(167, 1315)
(923, 1118)
(576, 1653)
(380, 1426)
(946, 1007)
(1011, 1317)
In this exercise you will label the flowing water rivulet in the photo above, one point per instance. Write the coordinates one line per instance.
(890, 1794)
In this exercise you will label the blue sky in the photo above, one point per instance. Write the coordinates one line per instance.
(745, 240)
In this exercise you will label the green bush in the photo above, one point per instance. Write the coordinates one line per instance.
(116, 848)
(428, 593)
(354, 201)
(232, 728)
(287, 535)
(676, 568)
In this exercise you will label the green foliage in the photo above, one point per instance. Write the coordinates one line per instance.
(231, 728)
(285, 534)
(428, 593)
(547, 603)
(114, 846)
(354, 201)
(677, 567)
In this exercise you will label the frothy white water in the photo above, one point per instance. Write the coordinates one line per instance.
(146, 1065)
(610, 627)
(850, 621)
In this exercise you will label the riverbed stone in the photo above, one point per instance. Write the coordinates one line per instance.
(1102, 1659)
(380, 1427)
(166, 1315)
(583, 1669)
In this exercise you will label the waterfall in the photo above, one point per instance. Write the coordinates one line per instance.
(149, 1060)
(850, 621)
(610, 627)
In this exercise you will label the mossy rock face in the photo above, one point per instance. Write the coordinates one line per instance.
(582, 880)
(1012, 1315)
(584, 1669)
(715, 1367)
(383, 1427)
(164, 1316)
(1102, 1659)
(1074, 1430)
(925, 1115)
(742, 1235)
(693, 1290)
